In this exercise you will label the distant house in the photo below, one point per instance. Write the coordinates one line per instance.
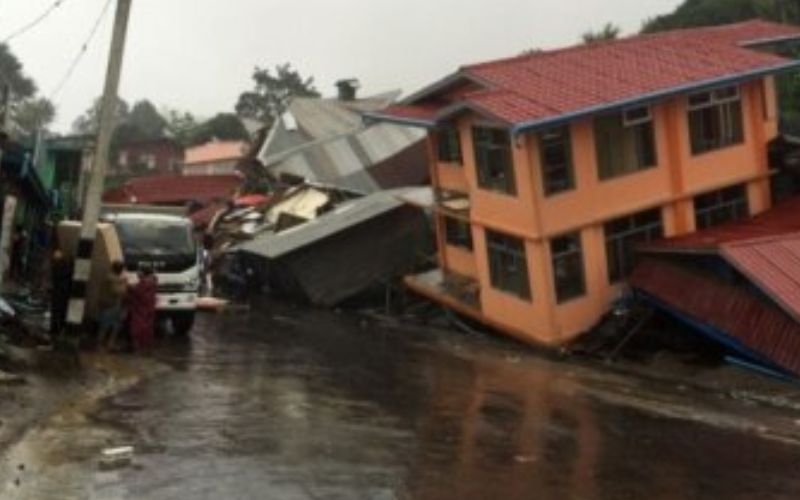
(149, 157)
(550, 168)
(215, 158)
(64, 169)
(327, 141)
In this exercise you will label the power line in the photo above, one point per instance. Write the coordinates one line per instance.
(81, 52)
(24, 29)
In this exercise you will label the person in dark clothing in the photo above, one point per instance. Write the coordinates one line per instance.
(61, 276)
(19, 246)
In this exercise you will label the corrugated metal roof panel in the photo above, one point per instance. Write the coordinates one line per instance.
(782, 219)
(774, 265)
(751, 323)
(334, 146)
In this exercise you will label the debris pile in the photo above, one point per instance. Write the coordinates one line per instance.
(315, 243)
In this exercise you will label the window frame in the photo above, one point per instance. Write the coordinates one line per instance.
(721, 205)
(642, 128)
(463, 241)
(483, 149)
(564, 286)
(500, 246)
(617, 241)
(719, 105)
(548, 169)
(448, 145)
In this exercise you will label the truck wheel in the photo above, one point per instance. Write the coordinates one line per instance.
(182, 323)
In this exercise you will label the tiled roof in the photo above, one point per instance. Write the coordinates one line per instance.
(216, 151)
(539, 87)
(174, 189)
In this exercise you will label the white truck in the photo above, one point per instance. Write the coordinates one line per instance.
(151, 238)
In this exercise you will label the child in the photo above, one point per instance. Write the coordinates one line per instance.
(111, 312)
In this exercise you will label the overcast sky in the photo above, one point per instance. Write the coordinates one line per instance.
(198, 55)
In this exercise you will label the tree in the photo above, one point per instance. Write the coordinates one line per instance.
(146, 121)
(89, 122)
(34, 114)
(692, 13)
(607, 32)
(273, 92)
(11, 71)
(180, 124)
(223, 127)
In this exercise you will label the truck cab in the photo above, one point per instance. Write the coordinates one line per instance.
(165, 244)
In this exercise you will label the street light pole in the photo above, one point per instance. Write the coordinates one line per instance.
(94, 193)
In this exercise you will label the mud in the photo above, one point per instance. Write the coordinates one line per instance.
(288, 403)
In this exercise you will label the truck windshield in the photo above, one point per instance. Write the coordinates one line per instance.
(155, 237)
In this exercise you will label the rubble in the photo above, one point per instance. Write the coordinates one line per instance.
(116, 458)
(302, 243)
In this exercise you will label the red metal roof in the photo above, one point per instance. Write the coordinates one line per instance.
(764, 249)
(757, 325)
(174, 189)
(778, 221)
(548, 85)
(774, 265)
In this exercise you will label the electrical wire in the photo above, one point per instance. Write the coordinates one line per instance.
(35, 22)
(84, 47)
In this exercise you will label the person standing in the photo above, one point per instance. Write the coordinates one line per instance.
(19, 245)
(61, 277)
(115, 286)
(142, 307)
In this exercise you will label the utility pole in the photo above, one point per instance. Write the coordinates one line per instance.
(94, 193)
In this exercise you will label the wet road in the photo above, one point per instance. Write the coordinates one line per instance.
(289, 404)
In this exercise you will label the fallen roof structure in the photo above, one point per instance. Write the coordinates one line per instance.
(327, 141)
(322, 247)
(738, 284)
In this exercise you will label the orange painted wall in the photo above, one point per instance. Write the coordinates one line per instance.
(536, 218)
(461, 261)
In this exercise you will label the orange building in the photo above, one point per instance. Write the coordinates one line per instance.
(550, 167)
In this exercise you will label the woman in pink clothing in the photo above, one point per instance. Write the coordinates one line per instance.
(142, 308)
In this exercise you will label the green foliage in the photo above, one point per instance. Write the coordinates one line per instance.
(223, 127)
(273, 92)
(146, 121)
(694, 13)
(608, 32)
(11, 70)
(180, 124)
(89, 122)
(34, 114)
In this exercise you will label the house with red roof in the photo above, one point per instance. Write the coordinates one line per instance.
(550, 167)
(215, 158)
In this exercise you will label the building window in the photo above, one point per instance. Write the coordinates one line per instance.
(715, 119)
(721, 207)
(625, 142)
(493, 158)
(622, 236)
(458, 233)
(508, 265)
(448, 144)
(568, 271)
(556, 159)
